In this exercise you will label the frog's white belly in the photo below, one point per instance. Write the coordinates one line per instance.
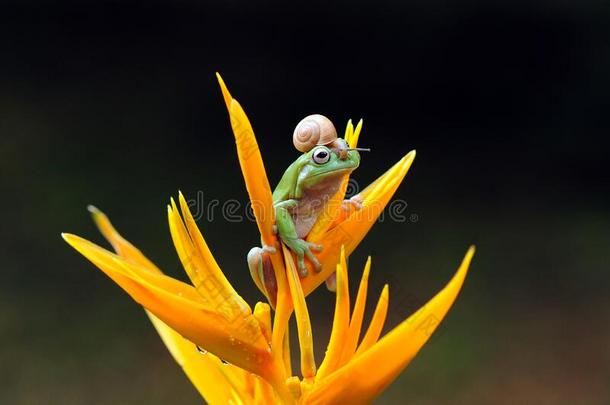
(313, 202)
(304, 224)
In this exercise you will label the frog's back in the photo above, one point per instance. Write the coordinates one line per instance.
(285, 188)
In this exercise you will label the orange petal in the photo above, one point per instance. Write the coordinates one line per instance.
(237, 339)
(225, 92)
(376, 326)
(352, 230)
(355, 324)
(340, 327)
(308, 363)
(205, 371)
(252, 167)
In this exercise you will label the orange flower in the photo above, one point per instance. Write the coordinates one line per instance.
(233, 354)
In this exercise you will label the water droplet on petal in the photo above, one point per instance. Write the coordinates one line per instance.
(200, 350)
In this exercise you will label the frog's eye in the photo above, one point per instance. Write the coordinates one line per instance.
(321, 155)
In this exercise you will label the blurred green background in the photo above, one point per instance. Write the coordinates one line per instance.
(115, 104)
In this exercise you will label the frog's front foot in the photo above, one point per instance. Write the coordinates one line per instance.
(303, 248)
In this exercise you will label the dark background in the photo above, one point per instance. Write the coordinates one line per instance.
(506, 102)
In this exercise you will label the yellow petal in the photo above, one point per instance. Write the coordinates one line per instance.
(201, 267)
(352, 230)
(122, 246)
(340, 327)
(262, 313)
(283, 311)
(355, 324)
(233, 337)
(200, 244)
(240, 380)
(376, 326)
(354, 138)
(263, 392)
(199, 263)
(349, 132)
(362, 379)
(308, 363)
(286, 353)
(202, 369)
(294, 386)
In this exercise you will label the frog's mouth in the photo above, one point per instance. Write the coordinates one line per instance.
(338, 172)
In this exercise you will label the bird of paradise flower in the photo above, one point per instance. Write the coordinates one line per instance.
(233, 354)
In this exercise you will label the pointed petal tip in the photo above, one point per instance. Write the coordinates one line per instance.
(70, 238)
(468, 256)
(221, 82)
(407, 160)
(224, 90)
(182, 200)
(93, 209)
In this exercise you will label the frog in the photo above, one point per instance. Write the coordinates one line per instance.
(299, 198)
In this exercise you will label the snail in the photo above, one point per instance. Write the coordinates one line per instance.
(313, 130)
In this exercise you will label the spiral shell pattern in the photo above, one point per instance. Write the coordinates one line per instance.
(313, 130)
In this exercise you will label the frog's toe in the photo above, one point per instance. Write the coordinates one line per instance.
(331, 282)
(356, 202)
(314, 260)
(269, 249)
(315, 246)
(302, 269)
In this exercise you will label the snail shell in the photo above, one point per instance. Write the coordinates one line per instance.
(313, 130)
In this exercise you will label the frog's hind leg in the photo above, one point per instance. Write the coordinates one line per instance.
(331, 282)
(261, 270)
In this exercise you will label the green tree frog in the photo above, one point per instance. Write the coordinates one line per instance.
(299, 198)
